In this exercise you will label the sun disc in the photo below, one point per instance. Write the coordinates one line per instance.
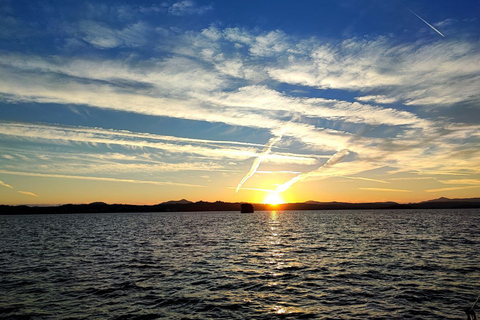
(273, 198)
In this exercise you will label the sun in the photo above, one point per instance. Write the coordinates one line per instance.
(273, 198)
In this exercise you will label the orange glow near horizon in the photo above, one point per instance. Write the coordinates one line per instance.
(273, 198)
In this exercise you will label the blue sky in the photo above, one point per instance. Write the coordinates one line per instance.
(148, 101)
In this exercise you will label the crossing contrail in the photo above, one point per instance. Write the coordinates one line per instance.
(428, 24)
(337, 157)
(259, 159)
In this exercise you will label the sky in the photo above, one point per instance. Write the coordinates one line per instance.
(143, 102)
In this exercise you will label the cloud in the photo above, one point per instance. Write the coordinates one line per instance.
(84, 166)
(277, 172)
(384, 190)
(263, 98)
(169, 77)
(258, 160)
(102, 36)
(183, 108)
(211, 149)
(381, 99)
(366, 179)
(238, 36)
(444, 23)
(337, 157)
(10, 26)
(187, 7)
(269, 44)
(451, 189)
(436, 74)
(28, 193)
(428, 24)
(61, 176)
(235, 77)
(5, 185)
(461, 181)
(412, 178)
(432, 74)
(254, 189)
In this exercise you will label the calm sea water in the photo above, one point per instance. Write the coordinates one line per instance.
(418, 264)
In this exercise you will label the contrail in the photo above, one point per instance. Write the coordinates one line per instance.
(428, 24)
(255, 189)
(259, 159)
(337, 157)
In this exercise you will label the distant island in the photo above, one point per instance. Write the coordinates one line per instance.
(188, 206)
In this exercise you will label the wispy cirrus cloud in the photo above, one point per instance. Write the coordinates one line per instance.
(451, 189)
(263, 98)
(211, 149)
(258, 160)
(187, 7)
(381, 99)
(62, 176)
(465, 184)
(111, 168)
(461, 181)
(231, 76)
(5, 185)
(27, 193)
(415, 74)
(428, 24)
(366, 179)
(385, 190)
(337, 157)
(102, 36)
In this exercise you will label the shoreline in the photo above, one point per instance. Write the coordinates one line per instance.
(202, 206)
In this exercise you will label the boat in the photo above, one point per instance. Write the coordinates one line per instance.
(246, 208)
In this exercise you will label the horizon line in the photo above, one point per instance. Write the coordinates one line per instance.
(179, 202)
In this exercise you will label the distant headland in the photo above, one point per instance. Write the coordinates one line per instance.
(188, 206)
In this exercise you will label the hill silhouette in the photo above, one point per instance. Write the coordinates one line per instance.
(188, 206)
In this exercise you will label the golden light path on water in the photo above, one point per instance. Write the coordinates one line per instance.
(277, 260)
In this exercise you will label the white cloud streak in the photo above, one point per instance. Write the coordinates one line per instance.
(259, 158)
(104, 37)
(277, 172)
(461, 181)
(428, 24)
(385, 190)
(211, 149)
(451, 189)
(253, 189)
(377, 99)
(201, 80)
(27, 193)
(187, 7)
(366, 179)
(337, 157)
(104, 179)
(436, 74)
(5, 185)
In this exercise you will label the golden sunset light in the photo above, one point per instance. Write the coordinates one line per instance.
(239, 159)
(200, 101)
(273, 198)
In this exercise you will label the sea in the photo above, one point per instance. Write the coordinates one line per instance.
(357, 264)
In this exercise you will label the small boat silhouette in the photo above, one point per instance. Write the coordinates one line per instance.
(246, 208)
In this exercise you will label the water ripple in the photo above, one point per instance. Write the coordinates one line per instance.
(223, 265)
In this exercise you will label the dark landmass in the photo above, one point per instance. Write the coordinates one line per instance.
(246, 208)
(188, 206)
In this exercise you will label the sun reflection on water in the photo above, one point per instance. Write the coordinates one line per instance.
(280, 261)
(274, 215)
